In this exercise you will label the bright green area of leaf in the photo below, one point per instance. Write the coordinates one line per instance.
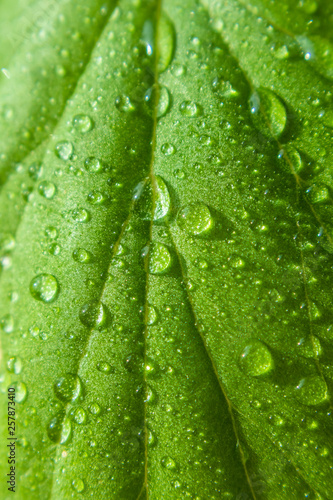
(166, 253)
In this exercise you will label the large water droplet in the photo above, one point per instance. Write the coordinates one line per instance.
(124, 104)
(47, 189)
(256, 359)
(54, 427)
(163, 101)
(318, 193)
(64, 150)
(151, 315)
(21, 391)
(80, 415)
(96, 198)
(44, 287)
(81, 215)
(166, 42)
(144, 194)
(168, 149)
(290, 159)
(310, 347)
(94, 408)
(68, 388)
(82, 123)
(66, 431)
(312, 390)
(159, 259)
(195, 219)
(78, 485)
(94, 315)
(81, 255)
(268, 112)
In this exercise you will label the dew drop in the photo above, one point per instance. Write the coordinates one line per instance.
(68, 388)
(123, 103)
(66, 431)
(190, 108)
(7, 323)
(195, 219)
(166, 42)
(94, 408)
(310, 347)
(168, 463)
(7, 242)
(82, 123)
(35, 171)
(104, 367)
(255, 359)
(318, 193)
(168, 149)
(268, 112)
(164, 101)
(64, 150)
(312, 391)
(47, 189)
(93, 165)
(54, 427)
(152, 316)
(78, 485)
(290, 159)
(81, 215)
(96, 198)
(51, 232)
(21, 391)
(54, 249)
(14, 365)
(44, 287)
(159, 259)
(94, 315)
(144, 194)
(80, 416)
(81, 255)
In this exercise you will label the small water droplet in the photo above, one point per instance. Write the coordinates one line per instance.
(54, 249)
(81, 255)
(94, 408)
(94, 315)
(54, 427)
(166, 42)
(312, 391)
(123, 103)
(104, 367)
(168, 149)
(47, 189)
(21, 391)
(96, 198)
(64, 150)
(310, 347)
(318, 193)
(51, 232)
(268, 112)
(68, 388)
(14, 365)
(78, 485)
(152, 316)
(169, 463)
(256, 359)
(163, 104)
(80, 415)
(159, 258)
(35, 171)
(44, 287)
(82, 123)
(93, 165)
(190, 108)
(7, 323)
(290, 159)
(81, 215)
(195, 219)
(66, 431)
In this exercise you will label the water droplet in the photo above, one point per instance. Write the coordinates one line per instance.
(195, 219)
(190, 108)
(68, 388)
(169, 463)
(290, 159)
(80, 415)
(236, 262)
(7, 323)
(94, 408)
(94, 315)
(64, 150)
(312, 391)
(51, 232)
(81, 255)
(78, 485)
(14, 365)
(93, 165)
(255, 359)
(66, 431)
(152, 316)
(144, 194)
(268, 112)
(163, 101)
(104, 367)
(159, 258)
(54, 427)
(147, 36)
(54, 249)
(81, 215)
(47, 189)
(96, 198)
(166, 43)
(35, 171)
(168, 149)
(21, 391)
(82, 123)
(124, 104)
(318, 193)
(310, 347)
(44, 287)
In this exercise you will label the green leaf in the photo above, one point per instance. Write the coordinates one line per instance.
(166, 249)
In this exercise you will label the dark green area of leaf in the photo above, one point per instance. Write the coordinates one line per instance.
(166, 249)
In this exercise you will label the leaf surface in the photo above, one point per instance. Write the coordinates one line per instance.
(167, 254)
